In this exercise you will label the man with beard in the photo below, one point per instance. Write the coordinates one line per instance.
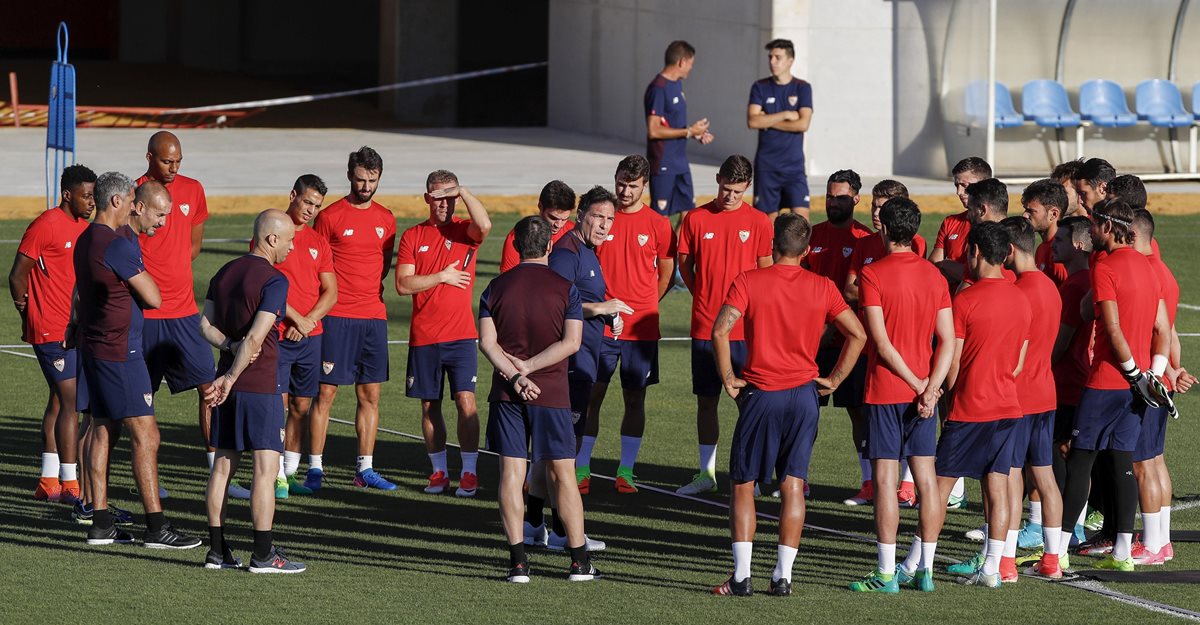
(780, 110)
(1063, 174)
(949, 251)
(555, 204)
(1045, 203)
(1091, 182)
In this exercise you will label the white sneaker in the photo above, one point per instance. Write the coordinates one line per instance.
(701, 483)
(237, 491)
(559, 543)
(535, 536)
(976, 535)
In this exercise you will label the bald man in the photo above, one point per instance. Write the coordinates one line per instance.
(245, 300)
(173, 346)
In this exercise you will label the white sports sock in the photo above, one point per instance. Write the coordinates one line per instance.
(438, 460)
(1010, 544)
(886, 559)
(584, 457)
(1035, 513)
(913, 560)
(1064, 541)
(1123, 546)
(864, 467)
(983, 548)
(1051, 536)
(282, 475)
(1082, 516)
(991, 561)
(50, 465)
(1164, 521)
(212, 457)
(368, 462)
(314, 461)
(783, 563)
(68, 472)
(906, 472)
(928, 551)
(960, 487)
(291, 462)
(630, 446)
(741, 560)
(1152, 531)
(708, 461)
(470, 460)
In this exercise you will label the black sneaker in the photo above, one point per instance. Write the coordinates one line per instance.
(120, 516)
(582, 572)
(168, 538)
(97, 536)
(780, 588)
(734, 588)
(518, 574)
(82, 513)
(276, 562)
(216, 562)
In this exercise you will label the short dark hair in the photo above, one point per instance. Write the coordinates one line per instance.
(440, 176)
(1095, 171)
(310, 181)
(531, 237)
(74, 176)
(792, 232)
(736, 169)
(972, 165)
(557, 196)
(1119, 215)
(1129, 189)
(902, 218)
(1047, 192)
(366, 158)
(991, 193)
(888, 188)
(1143, 223)
(1066, 171)
(1021, 233)
(595, 195)
(633, 167)
(677, 51)
(1079, 228)
(992, 241)
(848, 176)
(782, 44)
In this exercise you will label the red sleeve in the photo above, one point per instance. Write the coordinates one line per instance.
(939, 243)
(32, 241)
(389, 237)
(1104, 287)
(509, 257)
(325, 253)
(944, 300)
(766, 235)
(322, 226)
(408, 253)
(834, 302)
(739, 294)
(868, 289)
(666, 239)
(960, 318)
(201, 207)
(919, 245)
(684, 245)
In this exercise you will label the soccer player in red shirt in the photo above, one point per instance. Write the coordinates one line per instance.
(554, 205)
(638, 260)
(1035, 386)
(1132, 343)
(1091, 182)
(717, 242)
(312, 291)
(831, 247)
(1045, 203)
(1131, 190)
(784, 309)
(950, 245)
(41, 282)
(173, 346)
(436, 265)
(362, 234)
(906, 304)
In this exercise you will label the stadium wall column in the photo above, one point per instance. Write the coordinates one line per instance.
(419, 39)
(919, 38)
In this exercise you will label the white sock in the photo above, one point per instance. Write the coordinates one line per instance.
(314, 461)
(1082, 516)
(1064, 542)
(913, 560)
(708, 462)
(291, 462)
(1051, 536)
(68, 472)
(906, 472)
(50, 465)
(886, 559)
(960, 487)
(1010, 544)
(438, 460)
(630, 446)
(864, 467)
(1123, 546)
(584, 457)
(928, 550)
(1164, 520)
(1152, 531)
(282, 475)
(470, 460)
(741, 560)
(783, 563)
(1035, 513)
(991, 561)
(983, 548)
(212, 457)
(368, 462)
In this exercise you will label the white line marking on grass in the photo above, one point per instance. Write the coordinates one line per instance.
(21, 354)
(1188, 306)
(1088, 585)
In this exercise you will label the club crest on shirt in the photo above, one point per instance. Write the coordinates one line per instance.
(448, 244)
(60, 364)
(792, 100)
(185, 209)
(662, 204)
(744, 235)
(847, 251)
(312, 251)
(642, 238)
(348, 232)
(379, 231)
(148, 397)
(326, 366)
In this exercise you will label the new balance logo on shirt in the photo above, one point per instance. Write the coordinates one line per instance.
(708, 235)
(423, 248)
(348, 232)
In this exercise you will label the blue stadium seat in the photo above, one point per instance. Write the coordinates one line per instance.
(1196, 101)
(1158, 102)
(1102, 102)
(976, 105)
(1045, 103)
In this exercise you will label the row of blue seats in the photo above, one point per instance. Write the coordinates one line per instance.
(1101, 102)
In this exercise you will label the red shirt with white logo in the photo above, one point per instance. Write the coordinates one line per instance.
(992, 317)
(1044, 257)
(1035, 385)
(952, 237)
(1071, 370)
(509, 257)
(168, 254)
(830, 249)
(1170, 293)
(873, 248)
(443, 313)
(309, 258)
(723, 244)
(49, 241)
(1126, 277)
(629, 258)
(358, 238)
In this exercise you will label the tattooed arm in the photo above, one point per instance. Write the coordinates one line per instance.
(720, 338)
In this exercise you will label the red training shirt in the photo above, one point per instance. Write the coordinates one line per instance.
(49, 241)
(1035, 385)
(309, 258)
(1123, 276)
(1071, 370)
(830, 249)
(509, 257)
(992, 317)
(873, 248)
(1044, 257)
(168, 254)
(443, 313)
(952, 237)
(629, 258)
(359, 238)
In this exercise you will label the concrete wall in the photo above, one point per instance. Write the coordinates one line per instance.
(418, 39)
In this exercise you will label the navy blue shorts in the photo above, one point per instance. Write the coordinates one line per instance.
(1106, 420)
(1153, 437)
(584, 364)
(897, 431)
(512, 426)
(849, 394)
(774, 190)
(300, 366)
(1064, 423)
(1020, 442)
(638, 360)
(1039, 451)
(705, 381)
(354, 351)
(974, 449)
(114, 390)
(58, 364)
(580, 392)
(248, 422)
(175, 350)
(672, 193)
(430, 365)
(774, 434)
